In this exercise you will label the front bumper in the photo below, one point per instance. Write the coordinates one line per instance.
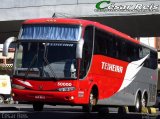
(54, 97)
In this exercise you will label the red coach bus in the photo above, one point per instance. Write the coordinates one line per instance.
(80, 62)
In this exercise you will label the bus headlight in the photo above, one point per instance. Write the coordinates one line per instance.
(18, 86)
(66, 89)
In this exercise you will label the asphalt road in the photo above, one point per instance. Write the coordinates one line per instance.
(23, 111)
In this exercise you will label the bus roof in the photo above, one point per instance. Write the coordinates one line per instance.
(82, 23)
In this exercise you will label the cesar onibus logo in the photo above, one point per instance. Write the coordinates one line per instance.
(109, 6)
(99, 4)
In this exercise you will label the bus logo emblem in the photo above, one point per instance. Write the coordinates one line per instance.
(40, 87)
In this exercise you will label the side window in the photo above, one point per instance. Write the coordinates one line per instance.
(130, 52)
(136, 53)
(111, 46)
(153, 60)
(104, 44)
(146, 51)
(100, 43)
(87, 51)
(117, 45)
(140, 53)
(122, 50)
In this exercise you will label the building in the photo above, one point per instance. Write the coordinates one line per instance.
(6, 62)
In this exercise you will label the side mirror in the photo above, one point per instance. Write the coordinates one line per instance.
(7, 44)
(79, 49)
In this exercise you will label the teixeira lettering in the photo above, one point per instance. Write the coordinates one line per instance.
(112, 67)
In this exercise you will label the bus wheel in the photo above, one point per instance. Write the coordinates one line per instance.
(92, 102)
(137, 107)
(38, 106)
(138, 104)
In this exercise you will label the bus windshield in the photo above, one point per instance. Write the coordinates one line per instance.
(45, 60)
(50, 32)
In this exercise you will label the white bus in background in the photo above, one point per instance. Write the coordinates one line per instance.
(6, 64)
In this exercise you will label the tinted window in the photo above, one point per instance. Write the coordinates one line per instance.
(87, 51)
(116, 47)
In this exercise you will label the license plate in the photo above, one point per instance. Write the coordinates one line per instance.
(40, 97)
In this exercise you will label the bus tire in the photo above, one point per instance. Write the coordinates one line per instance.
(92, 101)
(38, 106)
(138, 105)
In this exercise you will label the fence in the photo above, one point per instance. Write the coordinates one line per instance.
(6, 69)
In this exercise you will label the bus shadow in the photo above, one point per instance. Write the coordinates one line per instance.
(9, 109)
